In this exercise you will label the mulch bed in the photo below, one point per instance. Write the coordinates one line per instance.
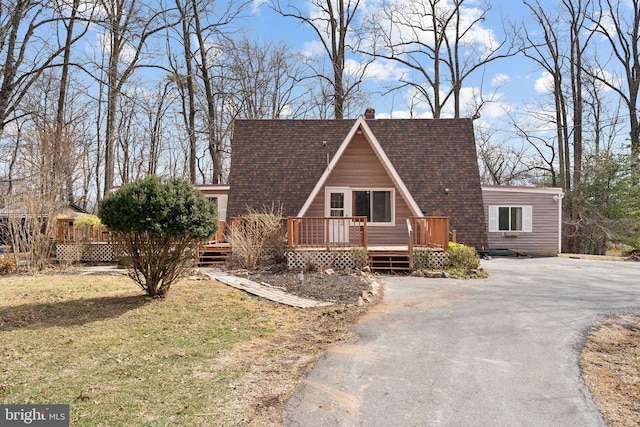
(336, 287)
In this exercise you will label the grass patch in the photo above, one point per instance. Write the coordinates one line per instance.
(196, 358)
(610, 363)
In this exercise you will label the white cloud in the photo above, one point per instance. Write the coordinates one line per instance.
(610, 78)
(544, 84)
(286, 111)
(414, 105)
(607, 23)
(499, 79)
(127, 53)
(256, 5)
(385, 70)
(352, 67)
(537, 120)
(479, 36)
(395, 114)
(411, 24)
(495, 110)
(312, 49)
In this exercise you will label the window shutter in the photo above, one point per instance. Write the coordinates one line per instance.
(527, 219)
(493, 219)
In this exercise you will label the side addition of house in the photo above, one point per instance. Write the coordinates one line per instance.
(526, 220)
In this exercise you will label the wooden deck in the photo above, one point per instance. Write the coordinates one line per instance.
(385, 259)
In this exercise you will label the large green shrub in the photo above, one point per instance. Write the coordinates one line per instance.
(158, 224)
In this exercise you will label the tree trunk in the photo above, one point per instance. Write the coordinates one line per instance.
(214, 145)
(65, 163)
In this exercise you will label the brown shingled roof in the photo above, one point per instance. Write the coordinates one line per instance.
(281, 160)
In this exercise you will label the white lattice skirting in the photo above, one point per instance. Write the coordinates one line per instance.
(430, 259)
(84, 252)
(341, 260)
(439, 260)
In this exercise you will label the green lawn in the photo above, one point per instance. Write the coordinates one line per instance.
(119, 358)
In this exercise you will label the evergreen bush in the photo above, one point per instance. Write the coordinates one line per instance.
(158, 225)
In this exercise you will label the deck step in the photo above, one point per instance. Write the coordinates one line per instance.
(212, 256)
(389, 261)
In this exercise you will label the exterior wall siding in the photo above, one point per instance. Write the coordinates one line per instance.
(544, 237)
(221, 192)
(360, 168)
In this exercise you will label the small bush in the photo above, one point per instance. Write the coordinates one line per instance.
(422, 259)
(278, 246)
(360, 257)
(87, 220)
(311, 267)
(253, 232)
(462, 257)
(7, 264)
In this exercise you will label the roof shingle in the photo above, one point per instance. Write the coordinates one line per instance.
(281, 160)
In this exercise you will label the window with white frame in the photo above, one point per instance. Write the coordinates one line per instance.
(337, 205)
(510, 219)
(376, 205)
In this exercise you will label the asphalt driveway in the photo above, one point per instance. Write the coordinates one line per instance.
(497, 352)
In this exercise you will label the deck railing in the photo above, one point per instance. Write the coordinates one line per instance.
(220, 236)
(431, 231)
(334, 232)
(67, 233)
(410, 242)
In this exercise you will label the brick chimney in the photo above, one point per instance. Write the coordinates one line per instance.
(370, 114)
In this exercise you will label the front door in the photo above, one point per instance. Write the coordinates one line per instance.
(338, 205)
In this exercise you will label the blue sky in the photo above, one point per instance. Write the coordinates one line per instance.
(513, 87)
(514, 78)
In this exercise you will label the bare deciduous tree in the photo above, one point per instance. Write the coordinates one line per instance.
(29, 47)
(129, 25)
(547, 53)
(619, 23)
(185, 82)
(267, 77)
(500, 164)
(332, 21)
(437, 40)
(561, 52)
